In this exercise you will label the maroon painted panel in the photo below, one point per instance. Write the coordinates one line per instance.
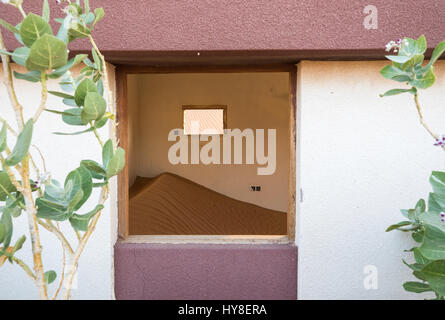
(328, 29)
(205, 271)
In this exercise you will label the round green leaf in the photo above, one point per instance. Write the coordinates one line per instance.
(32, 76)
(78, 31)
(96, 169)
(71, 63)
(94, 107)
(47, 53)
(3, 137)
(437, 181)
(426, 81)
(72, 117)
(394, 92)
(6, 186)
(116, 163)
(22, 145)
(389, 72)
(82, 89)
(434, 273)
(45, 10)
(50, 209)
(99, 13)
(19, 243)
(411, 47)
(32, 28)
(417, 287)
(8, 26)
(433, 246)
(2, 232)
(416, 60)
(50, 276)
(61, 94)
(6, 221)
(107, 152)
(398, 59)
(101, 122)
(81, 222)
(79, 179)
(20, 55)
(438, 51)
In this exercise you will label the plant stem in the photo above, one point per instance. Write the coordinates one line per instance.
(34, 165)
(422, 120)
(11, 175)
(22, 264)
(21, 10)
(7, 79)
(98, 137)
(44, 98)
(75, 258)
(62, 275)
(33, 230)
(26, 189)
(25, 267)
(53, 229)
(107, 88)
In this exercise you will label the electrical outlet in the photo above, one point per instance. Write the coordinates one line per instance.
(255, 188)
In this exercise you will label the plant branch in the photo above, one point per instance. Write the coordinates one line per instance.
(11, 175)
(7, 79)
(44, 98)
(33, 230)
(22, 264)
(51, 228)
(77, 235)
(62, 276)
(33, 163)
(107, 88)
(25, 267)
(422, 120)
(75, 258)
(21, 10)
(98, 137)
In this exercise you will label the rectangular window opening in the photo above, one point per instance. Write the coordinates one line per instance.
(193, 186)
(204, 120)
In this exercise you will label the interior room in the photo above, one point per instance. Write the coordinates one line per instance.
(173, 188)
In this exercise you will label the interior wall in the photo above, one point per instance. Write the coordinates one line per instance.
(363, 158)
(254, 100)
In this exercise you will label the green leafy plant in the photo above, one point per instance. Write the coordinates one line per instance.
(408, 67)
(47, 202)
(426, 221)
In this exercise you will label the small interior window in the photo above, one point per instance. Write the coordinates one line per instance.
(204, 120)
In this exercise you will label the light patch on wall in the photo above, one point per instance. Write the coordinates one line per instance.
(204, 120)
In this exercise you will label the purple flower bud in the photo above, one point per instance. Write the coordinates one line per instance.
(440, 141)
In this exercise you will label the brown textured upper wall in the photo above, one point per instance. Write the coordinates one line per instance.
(135, 30)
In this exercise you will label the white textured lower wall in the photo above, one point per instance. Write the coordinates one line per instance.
(62, 153)
(362, 158)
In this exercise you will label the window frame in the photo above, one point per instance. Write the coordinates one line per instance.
(122, 71)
